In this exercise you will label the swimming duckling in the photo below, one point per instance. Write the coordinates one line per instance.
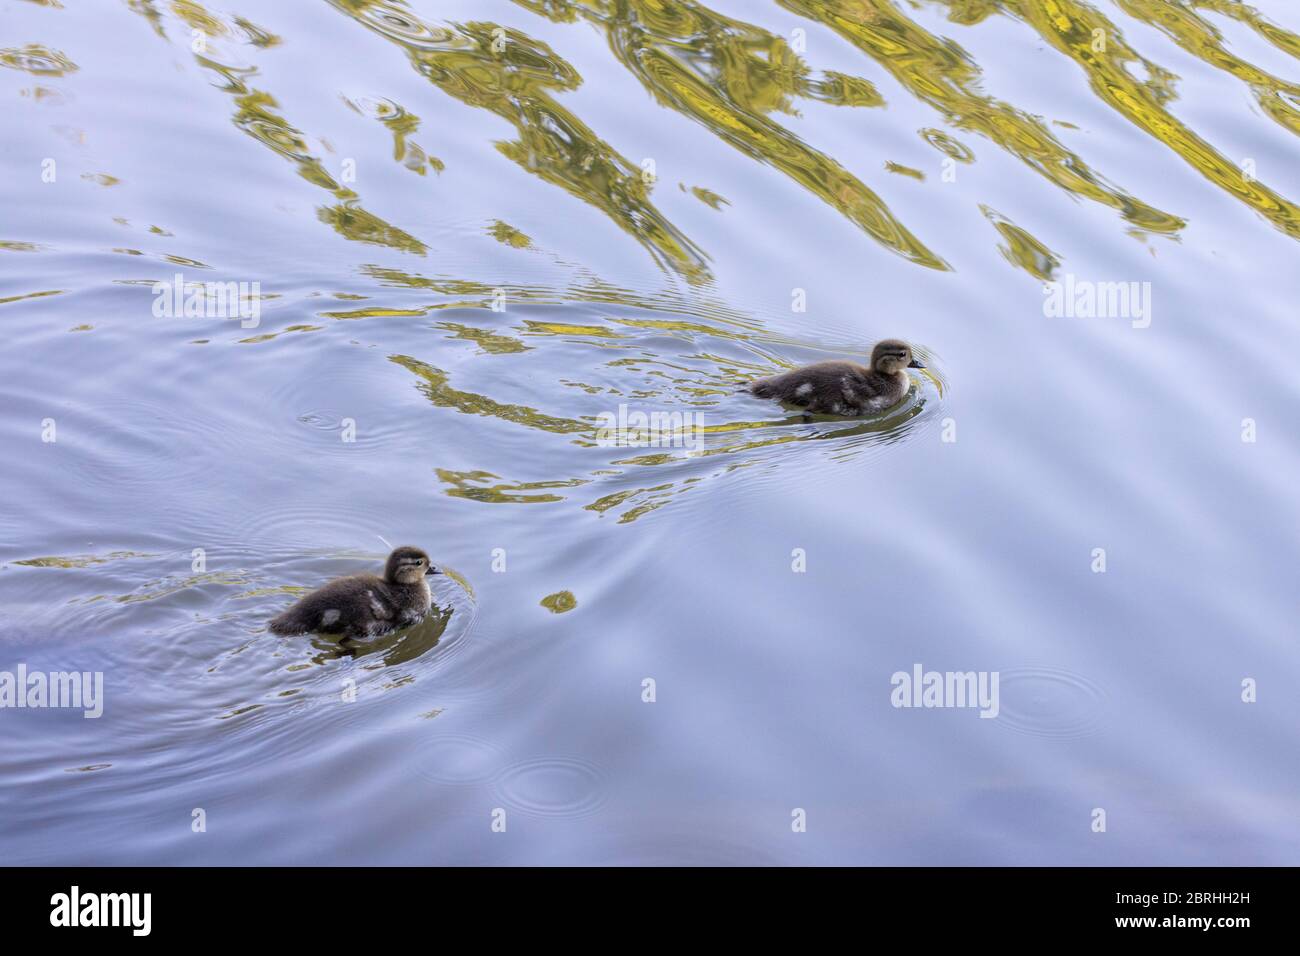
(364, 605)
(841, 387)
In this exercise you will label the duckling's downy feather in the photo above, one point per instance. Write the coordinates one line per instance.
(841, 387)
(834, 388)
(364, 605)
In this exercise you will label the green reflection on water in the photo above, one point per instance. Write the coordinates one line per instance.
(744, 85)
(513, 75)
(727, 75)
(1095, 44)
(940, 73)
(1021, 249)
(559, 602)
(733, 77)
(433, 383)
(37, 60)
(256, 114)
(402, 124)
(638, 367)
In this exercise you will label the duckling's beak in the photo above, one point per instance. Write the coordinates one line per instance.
(432, 570)
(915, 363)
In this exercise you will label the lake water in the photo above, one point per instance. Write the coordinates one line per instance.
(480, 232)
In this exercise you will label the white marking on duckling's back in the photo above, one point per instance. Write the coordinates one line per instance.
(804, 389)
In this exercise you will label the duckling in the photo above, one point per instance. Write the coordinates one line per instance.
(841, 387)
(364, 605)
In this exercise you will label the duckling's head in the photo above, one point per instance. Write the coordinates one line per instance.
(407, 565)
(893, 355)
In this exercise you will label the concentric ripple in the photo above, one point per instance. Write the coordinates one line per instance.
(1050, 702)
(37, 60)
(396, 23)
(459, 760)
(325, 419)
(553, 786)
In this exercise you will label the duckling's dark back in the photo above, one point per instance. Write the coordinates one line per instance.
(821, 380)
(343, 606)
(835, 387)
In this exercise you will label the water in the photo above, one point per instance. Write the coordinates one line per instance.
(464, 264)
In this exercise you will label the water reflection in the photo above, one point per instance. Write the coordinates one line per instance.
(727, 75)
(731, 76)
(402, 124)
(213, 622)
(1021, 248)
(513, 75)
(257, 115)
(37, 60)
(1076, 30)
(501, 280)
(399, 647)
(941, 74)
(629, 362)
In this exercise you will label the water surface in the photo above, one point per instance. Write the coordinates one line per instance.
(480, 229)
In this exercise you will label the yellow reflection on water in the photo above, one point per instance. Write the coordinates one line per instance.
(652, 364)
(1284, 40)
(1278, 99)
(257, 114)
(940, 73)
(744, 85)
(402, 124)
(513, 75)
(37, 60)
(727, 75)
(1095, 44)
(1021, 248)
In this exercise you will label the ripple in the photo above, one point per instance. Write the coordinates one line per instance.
(231, 665)
(324, 419)
(401, 26)
(330, 524)
(655, 362)
(1050, 702)
(37, 60)
(948, 146)
(277, 137)
(559, 602)
(698, 848)
(132, 444)
(378, 107)
(552, 787)
(342, 393)
(460, 760)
